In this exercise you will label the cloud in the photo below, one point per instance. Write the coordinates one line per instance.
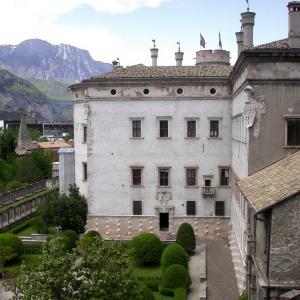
(27, 19)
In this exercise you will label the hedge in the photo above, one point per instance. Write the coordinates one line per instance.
(12, 241)
(174, 254)
(146, 248)
(70, 238)
(186, 237)
(180, 294)
(33, 248)
(176, 276)
(147, 294)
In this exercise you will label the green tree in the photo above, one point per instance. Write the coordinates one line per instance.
(43, 162)
(100, 271)
(68, 212)
(27, 171)
(7, 145)
(186, 237)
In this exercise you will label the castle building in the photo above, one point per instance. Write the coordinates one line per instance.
(156, 146)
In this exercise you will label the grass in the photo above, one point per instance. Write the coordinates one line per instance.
(30, 260)
(27, 231)
(142, 271)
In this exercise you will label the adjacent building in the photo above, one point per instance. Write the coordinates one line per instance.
(273, 199)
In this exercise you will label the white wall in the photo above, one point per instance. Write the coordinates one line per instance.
(111, 152)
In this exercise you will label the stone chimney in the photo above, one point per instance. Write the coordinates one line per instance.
(248, 24)
(294, 24)
(179, 56)
(240, 41)
(154, 54)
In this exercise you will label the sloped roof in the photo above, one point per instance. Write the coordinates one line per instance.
(160, 72)
(53, 145)
(272, 184)
(280, 44)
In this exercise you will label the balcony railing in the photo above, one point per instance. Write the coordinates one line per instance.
(208, 190)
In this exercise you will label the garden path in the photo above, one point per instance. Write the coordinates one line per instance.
(221, 280)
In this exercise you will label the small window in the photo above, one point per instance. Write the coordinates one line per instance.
(191, 176)
(179, 91)
(136, 128)
(191, 127)
(136, 174)
(146, 91)
(293, 132)
(84, 171)
(191, 208)
(84, 134)
(220, 208)
(113, 92)
(214, 128)
(224, 176)
(212, 91)
(163, 174)
(137, 207)
(163, 128)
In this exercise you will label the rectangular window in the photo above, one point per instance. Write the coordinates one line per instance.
(136, 128)
(136, 174)
(163, 128)
(137, 207)
(293, 132)
(224, 176)
(214, 130)
(191, 126)
(163, 176)
(84, 134)
(220, 208)
(84, 171)
(191, 208)
(191, 176)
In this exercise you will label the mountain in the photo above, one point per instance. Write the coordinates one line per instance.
(38, 59)
(17, 94)
(53, 90)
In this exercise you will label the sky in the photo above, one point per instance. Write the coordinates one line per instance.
(124, 29)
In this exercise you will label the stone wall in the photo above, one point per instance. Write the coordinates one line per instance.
(285, 244)
(126, 227)
(22, 192)
(23, 208)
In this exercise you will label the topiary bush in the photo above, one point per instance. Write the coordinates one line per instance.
(174, 254)
(147, 294)
(146, 248)
(11, 240)
(176, 276)
(70, 238)
(186, 237)
(93, 233)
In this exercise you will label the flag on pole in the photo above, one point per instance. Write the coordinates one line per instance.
(202, 41)
(220, 41)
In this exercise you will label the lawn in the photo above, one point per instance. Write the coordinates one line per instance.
(158, 296)
(30, 260)
(142, 271)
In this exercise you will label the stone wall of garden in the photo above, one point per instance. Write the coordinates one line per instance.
(126, 227)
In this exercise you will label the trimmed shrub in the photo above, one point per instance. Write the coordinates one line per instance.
(186, 237)
(176, 276)
(11, 240)
(152, 284)
(70, 238)
(180, 294)
(93, 233)
(174, 254)
(88, 239)
(33, 248)
(146, 248)
(39, 225)
(147, 294)
(166, 291)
